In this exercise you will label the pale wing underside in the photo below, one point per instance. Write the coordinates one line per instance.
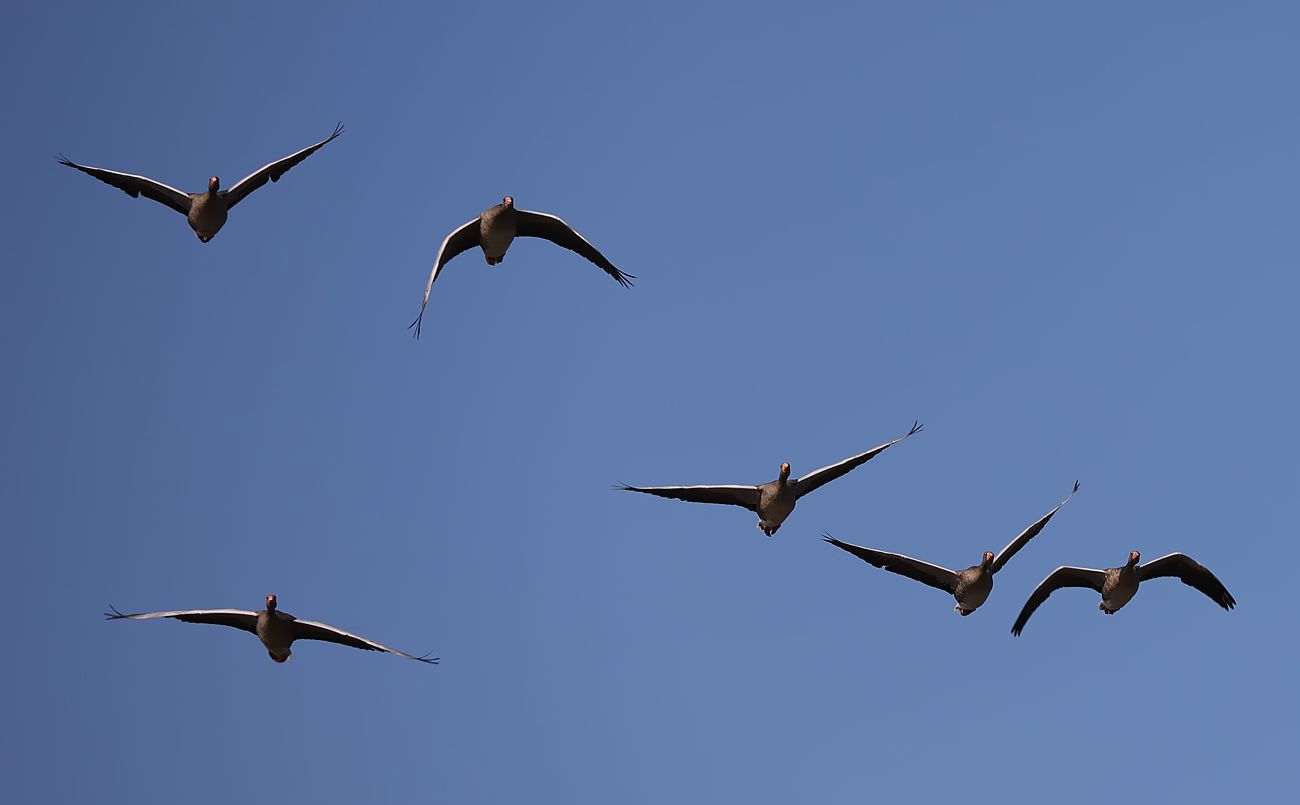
(273, 171)
(830, 472)
(311, 630)
(461, 239)
(746, 496)
(1064, 576)
(1023, 538)
(529, 224)
(136, 186)
(1189, 572)
(238, 618)
(935, 576)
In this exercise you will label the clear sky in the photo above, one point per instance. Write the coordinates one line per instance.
(1062, 237)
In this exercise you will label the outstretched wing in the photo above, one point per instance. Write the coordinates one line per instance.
(825, 475)
(543, 225)
(238, 618)
(136, 186)
(1064, 576)
(938, 577)
(733, 495)
(464, 237)
(1189, 572)
(310, 630)
(1022, 540)
(273, 171)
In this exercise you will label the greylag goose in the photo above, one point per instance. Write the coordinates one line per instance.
(971, 587)
(496, 228)
(276, 629)
(774, 500)
(206, 212)
(1118, 585)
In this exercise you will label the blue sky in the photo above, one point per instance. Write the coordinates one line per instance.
(1062, 237)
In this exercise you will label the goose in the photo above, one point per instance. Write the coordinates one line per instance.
(971, 587)
(495, 229)
(1118, 585)
(276, 629)
(206, 212)
(774, 500)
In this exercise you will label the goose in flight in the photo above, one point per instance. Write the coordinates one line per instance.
(971, 587)
(206, 212)
(1118, 585)
(495, 229)
(774, 500)
(276, 629)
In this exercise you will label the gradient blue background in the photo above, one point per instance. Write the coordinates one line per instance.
(1064, 238)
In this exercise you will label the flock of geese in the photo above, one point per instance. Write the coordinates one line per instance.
(493, 230)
